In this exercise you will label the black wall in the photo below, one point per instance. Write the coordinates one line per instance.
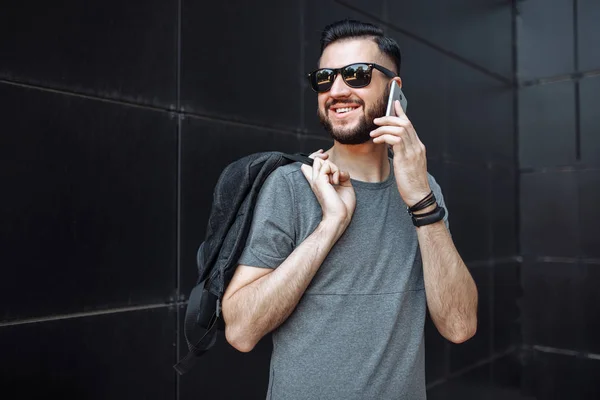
(117, 120)
(559, 158)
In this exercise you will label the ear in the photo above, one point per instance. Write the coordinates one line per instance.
(398, 80)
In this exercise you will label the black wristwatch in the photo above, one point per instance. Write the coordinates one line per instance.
(428, 218)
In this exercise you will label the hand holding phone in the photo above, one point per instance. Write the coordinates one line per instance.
(395, 94)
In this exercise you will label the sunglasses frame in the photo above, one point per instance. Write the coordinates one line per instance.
(336, 71)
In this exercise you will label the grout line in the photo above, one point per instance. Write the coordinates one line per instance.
(179, 296)
(447, 159)
(575, 76)
(491, 237)
(516, 124)
(432, 45)
(178, 66)
(301, 66)
(178, 293)
(563, 260)
(560, 168)
(493, 262)
(577, 100)
(564, 352)
(192, 115)
(577, 123)
(84, 96)
(245, 124)
(86, 314)
(551, 259)
(575, 36)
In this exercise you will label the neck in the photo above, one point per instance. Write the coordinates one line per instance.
(367, 162)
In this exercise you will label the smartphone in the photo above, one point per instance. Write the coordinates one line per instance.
(395, 94)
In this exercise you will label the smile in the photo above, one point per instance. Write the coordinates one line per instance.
(345, 110)
(342, 112)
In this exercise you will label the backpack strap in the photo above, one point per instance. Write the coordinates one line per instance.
(196, 322)
(300, 157)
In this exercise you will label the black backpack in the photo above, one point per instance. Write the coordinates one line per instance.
(229, 223)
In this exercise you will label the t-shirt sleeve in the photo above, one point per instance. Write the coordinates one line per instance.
(437, 191)
(272, 237)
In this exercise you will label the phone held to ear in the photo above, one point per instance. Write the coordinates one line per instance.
(395, 94)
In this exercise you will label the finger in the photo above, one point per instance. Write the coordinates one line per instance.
(307, 171)
(315, 153)
(335, 174)
(415, 142)
(316, 168)
(325, 174)
(345, 179)
(399, 131)
(396, 141)
(325, 169)
(320, 154)
(414, 138)
(399, 110)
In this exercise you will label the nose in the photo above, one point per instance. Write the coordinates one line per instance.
(339, 87)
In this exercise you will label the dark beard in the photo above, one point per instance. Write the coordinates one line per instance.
(361, 133)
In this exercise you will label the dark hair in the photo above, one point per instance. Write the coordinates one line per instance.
(349, 29)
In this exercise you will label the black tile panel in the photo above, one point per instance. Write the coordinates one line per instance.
(479, 31)
(547, 125)
(588, 34)
(549, 223)
(475, 384)
(247, 71)
(89, 211)
(557, 376)
(480, 116)
(589, 98)
(225, 373)
(504, 212)
(545, 38)
(507, 296)
(207, 148)
(589, 213)
(127, 355)
(553, 305)
(591, 306)
(589, 370)
(507, 377)
(467, 198)
(112, 49)
(478, 348)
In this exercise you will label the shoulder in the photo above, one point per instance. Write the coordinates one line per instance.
(290, 173)
(286, 180)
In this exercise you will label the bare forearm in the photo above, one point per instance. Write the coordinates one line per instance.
(450, 289)
(258, 308)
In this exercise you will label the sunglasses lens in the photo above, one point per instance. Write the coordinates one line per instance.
(322, 80)
(357, 75)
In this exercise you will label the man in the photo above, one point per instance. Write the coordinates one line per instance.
(334, 264)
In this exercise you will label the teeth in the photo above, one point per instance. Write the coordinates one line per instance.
(344, 110)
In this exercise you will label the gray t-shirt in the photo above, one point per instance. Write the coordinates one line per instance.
(357, 333)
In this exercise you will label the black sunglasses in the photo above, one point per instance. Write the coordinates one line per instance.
(355, 75)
